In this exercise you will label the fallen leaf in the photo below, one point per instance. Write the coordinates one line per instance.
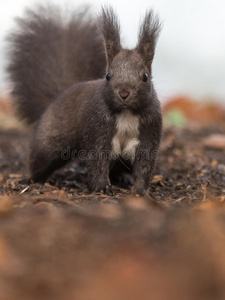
(15, 175)
(215, 141)
(157, 178)
(214, 163)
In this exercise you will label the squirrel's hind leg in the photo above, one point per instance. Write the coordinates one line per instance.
(43, 164)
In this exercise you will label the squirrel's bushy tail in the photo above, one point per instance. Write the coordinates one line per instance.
(48, 51)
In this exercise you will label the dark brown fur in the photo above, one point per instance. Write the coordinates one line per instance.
(51, 49)
(85, 118)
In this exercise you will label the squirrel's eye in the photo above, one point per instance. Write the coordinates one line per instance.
(145, 77)
(107, 76)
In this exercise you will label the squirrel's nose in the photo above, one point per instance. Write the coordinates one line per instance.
(124, 94)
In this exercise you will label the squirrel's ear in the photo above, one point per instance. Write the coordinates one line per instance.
(148, 35)
(111, 32)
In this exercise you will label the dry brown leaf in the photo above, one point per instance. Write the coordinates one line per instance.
(215, 141)
(202, 113)
(214, 163)
(157, 178)
(15, 175)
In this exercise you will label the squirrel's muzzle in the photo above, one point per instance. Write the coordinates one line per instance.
(124, 94)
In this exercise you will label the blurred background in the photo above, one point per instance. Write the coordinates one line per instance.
(90, 246)
(190, 56)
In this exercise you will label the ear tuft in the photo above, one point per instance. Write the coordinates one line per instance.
(110, 29)
(148, 36)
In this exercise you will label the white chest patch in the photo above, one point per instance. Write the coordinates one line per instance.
(126, 139)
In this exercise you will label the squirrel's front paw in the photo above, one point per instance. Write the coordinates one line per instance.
(103, 187)
(109, 190)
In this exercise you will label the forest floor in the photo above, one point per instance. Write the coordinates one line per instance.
(58, 241)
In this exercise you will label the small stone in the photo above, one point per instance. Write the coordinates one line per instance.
(221, 168)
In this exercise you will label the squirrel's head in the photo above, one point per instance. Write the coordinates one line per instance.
(128, 72)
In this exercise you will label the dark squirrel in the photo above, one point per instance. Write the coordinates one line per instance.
(54, 68)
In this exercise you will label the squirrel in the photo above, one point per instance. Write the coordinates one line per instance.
(87, 94)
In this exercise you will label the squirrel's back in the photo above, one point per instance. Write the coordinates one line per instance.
(49, 51)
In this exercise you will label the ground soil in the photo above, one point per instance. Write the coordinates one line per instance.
(58, 241)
